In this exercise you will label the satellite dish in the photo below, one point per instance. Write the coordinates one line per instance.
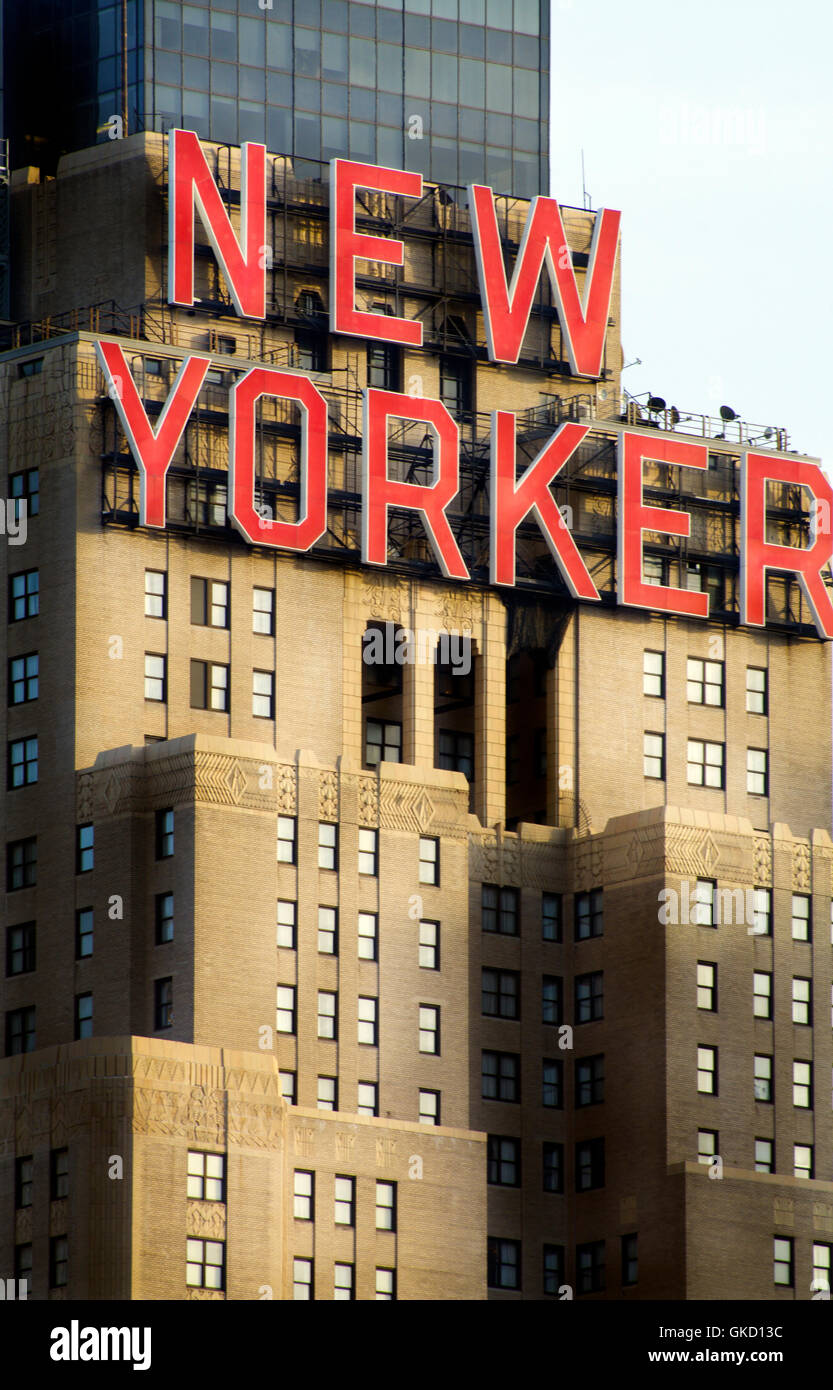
(727, 413)
(656, 403)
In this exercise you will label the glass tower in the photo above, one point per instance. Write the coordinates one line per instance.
(457, 89)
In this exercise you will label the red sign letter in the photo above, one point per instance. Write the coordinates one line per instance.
(757, 554)
(635, 517)
(512, 501)
(312, 520)
(190, 181)
(152, 450)
(506, 310)
(346, 244)
(381, 492)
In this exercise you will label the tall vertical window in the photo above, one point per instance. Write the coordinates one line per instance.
(821, 1268)
(285, 935)
(156, 605)
(263, 694)
(327, 1093)
(327, 1014)
(327, 931)
(503, 1263)
(429, 1107)
(707, 1070)
(383, 366)
(327, 846)
(552, 1081)
(801, 917)
(84, 848)
(24, 595)
(762, 994)
(704, 898)
(345, 1202)
(706, 985)
(83, 1015)
(589, 997)
(756, 690)
(23, 762)
(209, 686)
(630, 1260)
(21, 864)
(708, 1144)
(429, 1028)
(209, 602)
(285, 1021)
(58, 1174)
(83, 933)
(653, 674)
(263, 611)
(368, 1021)
(20, 948)
(764, 1156)
(304, 1208)
(802, 1160)
(757, 772)
(23, 1265)
(782, 1256)
(589, 918)
(499, 909)
(552, 999)
(653, 756)
(385, 1285)
(163, 1003)
(367, 935)
(802, 1001)
(590, 1164)
(286, 839)
(762, 909)
(429, 860)
(553, 1155)
(58, 1262)
(344, 1282)
(367, 1098)
(368, 851)
(164, 833)
(385, 1206)
(590, 1267)
(803, 1085)
(429, 945)
(302, 1279)
(551, 916)
(155, 677)
(24, 1174)
(762, 1079)
(553, 1269)
(23, 678)
(24, 486)
(164, 918)
(21, 1035)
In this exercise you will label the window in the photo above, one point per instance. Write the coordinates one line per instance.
(762, 994)
(429, 860)
(23, 762)
(163, 1003)
(368, 1098)
(704, 682)
(552, 1083)
(154, 677)
(504, 1263)
(551, 916)
(304, 1209)
(653, 674)
(345, 1201)
(708, 1144)
(21, 864)
(263, 611)
(630, 1260)
(802, 1160)
(704, 897)
(590, 1267)
(653, 756)
(801, 919)
(707, 1070)
(20, 948)
(757, 775)
(782, 1257)
(23, 1265)
(368, 1027)
(24, 595)
(552, 999)
(83, 933)
(456, 752)
(589, 997)
(385, 1285)
(429, 1107)
(285, 1017)
(326, 1014)
(764, 1156)
(302, 1282)
(289, 1086)
(327, 846)
(383, 366)
(58, 1174)
(705, 763)
(26, 483)
(383, 742)
(209, 602)
(588, 915)
(429, 945)
(327, 931)
(501, 1074)
(553, 1268)
(756, 690)
(58, 1262)
(209, 686)
(821, 1268)
(590, 1080)
(164, 918)
(286, 924)
(368, 851)
(156, 594)
(343, 1283)
(590, 1164)
(327, 1093)
(23, 679)
(500, 993)
(503, 1160)
(803, 1085)
(206, 1175)
(707, 985)
(386, 1206)
(205, 1264)
(368, 925)
(24, 1170)
(553, 1155)
(802, 1001)
(429, 1028)
(83, 1016)
(263, 695)
(763, 1078)
(286, 839)
(499, 909)
(164, 833)
(20, 1031)
(762, 910)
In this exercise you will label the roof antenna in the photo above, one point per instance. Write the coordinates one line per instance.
(585, 196)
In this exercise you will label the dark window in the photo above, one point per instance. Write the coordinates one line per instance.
(456, 752)
(504, 1160)
(209, 685)
(590, 1164)
(552, 999)
(501, 1073)
(499, 910)
(23, 1265)
(590, 1267)
(630, 1261)
(383, 742)
(58, 1261)
(209, 602)
(553, 1268)
(20, 949)
(501, 993)
(26, 484)
(20, 1031)
(590, 1080)
(23, 762)
(24, 1170)
(383, 366)
(553, 1084)
(504, 1263)
(164, 834)
(589, 920)
(83, 933)
(456, 384)
(164, 918)
(310, 350)
(590, 997)
(58, 1174)
(83, 1015)
(551, 916)
(21, 864)
(553, 1167)
(23, 678)
(24, 595)
(84, 849)
(163, 1003)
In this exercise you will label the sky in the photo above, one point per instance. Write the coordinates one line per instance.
(710, 127)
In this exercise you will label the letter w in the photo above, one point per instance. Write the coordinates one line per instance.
(506, 309)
